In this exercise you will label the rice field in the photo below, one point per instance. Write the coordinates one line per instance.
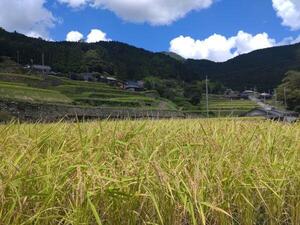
(168, 172)
(51, 89)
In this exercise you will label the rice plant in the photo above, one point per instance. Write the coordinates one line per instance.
(169, 172)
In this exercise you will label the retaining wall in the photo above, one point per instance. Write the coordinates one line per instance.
(49, 112)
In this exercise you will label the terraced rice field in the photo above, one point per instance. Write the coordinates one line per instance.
(221, 106)
(65, 91)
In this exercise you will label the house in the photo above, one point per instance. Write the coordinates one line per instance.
(230, 94)
(274, 114)
(102, 79)
(265, 96)
(41, 69)
(111, 81)
(89, 77)
(246, 94)
(134, 86)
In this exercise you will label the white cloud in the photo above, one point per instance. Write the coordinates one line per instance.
(74, 3)
(96, 35)
(245, 42)
(296, 40)
(29, 17)
(289, 12)
(155, 12)
(74, 36)
(290, 41)
(219, 48)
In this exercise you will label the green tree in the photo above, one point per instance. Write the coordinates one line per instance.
(291, 86)
(167, 88)
(92, 61)
(193, 92)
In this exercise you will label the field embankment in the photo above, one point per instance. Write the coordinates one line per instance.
(176, 172)
(46, 112)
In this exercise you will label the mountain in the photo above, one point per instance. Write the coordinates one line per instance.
(263, 69)
(114, 58)
(174, 56)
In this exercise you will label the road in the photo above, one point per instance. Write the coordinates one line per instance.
(273, 113)
(261, 104)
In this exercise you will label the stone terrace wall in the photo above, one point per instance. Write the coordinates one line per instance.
(48, 112)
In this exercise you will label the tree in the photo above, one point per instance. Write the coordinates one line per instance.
(291, 87)
(193, 92)
(92, 61)
(167, 88)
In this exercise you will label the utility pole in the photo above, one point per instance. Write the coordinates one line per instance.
(275, 96)
(18, 57)
(285, 101)
(206, 85)
(43, 62)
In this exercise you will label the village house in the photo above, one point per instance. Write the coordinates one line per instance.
(246, 94)
(230, 94)
(134, 85)
(111, 81)
(265, 96)
(41, 69)
(88, 77)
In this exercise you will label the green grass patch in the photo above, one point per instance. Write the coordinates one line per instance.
(31, 94)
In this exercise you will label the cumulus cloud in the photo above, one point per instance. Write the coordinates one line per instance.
(245, 42)
(97, 35)
(289, 12)
(29, 17)
(74, 36)
(219, 48)
(155, 12)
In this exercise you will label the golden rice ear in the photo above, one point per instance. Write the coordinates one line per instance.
(191, 172)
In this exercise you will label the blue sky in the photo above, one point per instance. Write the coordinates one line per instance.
(225, 17)
(211, 29)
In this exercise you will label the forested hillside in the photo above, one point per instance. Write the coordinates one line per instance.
(263, 69)
(121, 60)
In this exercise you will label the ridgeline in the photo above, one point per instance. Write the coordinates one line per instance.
(263, 69)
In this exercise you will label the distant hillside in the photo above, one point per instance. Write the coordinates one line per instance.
(263, 69)
(174, 56)
(114, 58)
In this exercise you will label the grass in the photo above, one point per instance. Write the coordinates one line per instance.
(19, 92)
(171, 172)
